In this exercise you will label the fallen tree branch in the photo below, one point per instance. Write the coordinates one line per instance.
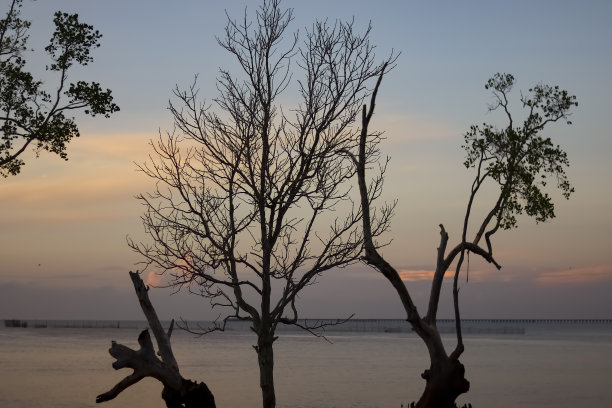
(178, 392)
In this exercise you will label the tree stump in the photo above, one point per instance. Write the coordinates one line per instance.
(178, 392)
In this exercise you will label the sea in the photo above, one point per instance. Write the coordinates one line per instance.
(362, 363)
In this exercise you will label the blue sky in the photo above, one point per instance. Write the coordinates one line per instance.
(64, 223)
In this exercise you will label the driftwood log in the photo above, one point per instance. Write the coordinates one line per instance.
(177, 392)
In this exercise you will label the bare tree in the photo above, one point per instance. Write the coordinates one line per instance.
(32, 117)
(243, 210)
(516, 158)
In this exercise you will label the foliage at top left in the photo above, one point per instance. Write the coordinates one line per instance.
(33, 115)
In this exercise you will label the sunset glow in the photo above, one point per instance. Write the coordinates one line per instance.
(72, 217)
(574, 276)
(416, 275)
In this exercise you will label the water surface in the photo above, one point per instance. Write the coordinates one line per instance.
(544, 367)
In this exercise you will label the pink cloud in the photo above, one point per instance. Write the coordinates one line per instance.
(474, 274)
(154, 279)
(587, 274)
(409, 275)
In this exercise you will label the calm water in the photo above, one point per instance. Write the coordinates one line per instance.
(544, 367)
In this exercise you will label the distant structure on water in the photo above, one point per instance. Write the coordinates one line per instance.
(469, 326)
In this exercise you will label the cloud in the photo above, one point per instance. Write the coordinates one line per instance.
(98, 183)
(411, 275)
(402, 127)
(101, 302)
(154, 279)
(479, 273)
(38, 301)
(122, 146)
(582, 275)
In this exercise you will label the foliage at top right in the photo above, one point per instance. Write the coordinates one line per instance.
(518, 157)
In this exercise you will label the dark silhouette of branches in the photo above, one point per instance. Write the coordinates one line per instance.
(32, 116)
(178, 392)
(253, 199)
(520, 161)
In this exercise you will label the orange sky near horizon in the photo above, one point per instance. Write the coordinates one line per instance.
(64, 224)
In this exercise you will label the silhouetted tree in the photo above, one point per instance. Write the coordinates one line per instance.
(520, 161)
(178, 392)
(243, 210)
(32, 116)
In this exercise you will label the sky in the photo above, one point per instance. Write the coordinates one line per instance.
(63, 224)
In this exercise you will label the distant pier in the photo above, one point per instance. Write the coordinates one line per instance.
(469, 326)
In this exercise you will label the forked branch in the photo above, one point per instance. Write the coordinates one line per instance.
(177, 392)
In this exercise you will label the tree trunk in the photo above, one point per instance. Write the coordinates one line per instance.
(445, 377)
(445, 382)
(191, 395)
(265, 357)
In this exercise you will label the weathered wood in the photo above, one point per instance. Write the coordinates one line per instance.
(163, 340)
(178, 392)
(445, 379)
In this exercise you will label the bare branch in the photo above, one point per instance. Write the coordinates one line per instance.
(248, 191)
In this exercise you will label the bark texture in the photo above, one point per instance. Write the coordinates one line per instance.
(178, 392)
(265, 357)
(445, 376)
(445, 382)
(516, 159)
